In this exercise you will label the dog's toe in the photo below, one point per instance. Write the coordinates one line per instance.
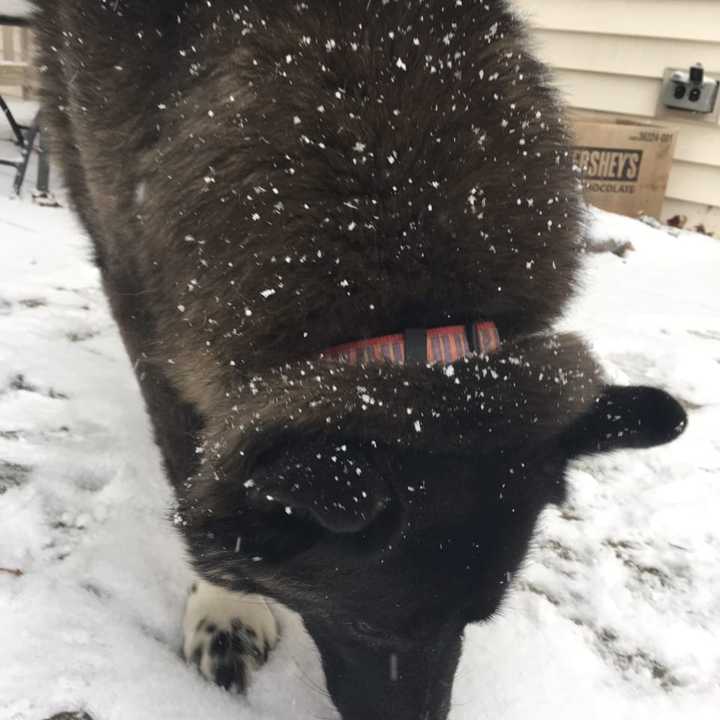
(228, 635)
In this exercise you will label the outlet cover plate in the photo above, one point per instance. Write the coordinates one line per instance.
(673, 113)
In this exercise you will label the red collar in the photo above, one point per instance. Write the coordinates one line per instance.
(436, 345)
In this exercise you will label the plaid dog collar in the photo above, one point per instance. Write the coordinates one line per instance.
(426, 347)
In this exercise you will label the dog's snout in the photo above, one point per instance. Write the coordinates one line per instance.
(388, 683)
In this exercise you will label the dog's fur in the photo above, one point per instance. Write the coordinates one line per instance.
(264, 179)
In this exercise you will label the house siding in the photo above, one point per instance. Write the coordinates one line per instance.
(609, 57)
(15, 58)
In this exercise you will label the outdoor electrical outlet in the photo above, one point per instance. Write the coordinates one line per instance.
(692, 90)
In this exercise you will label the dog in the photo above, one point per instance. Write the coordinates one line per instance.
(335, 236)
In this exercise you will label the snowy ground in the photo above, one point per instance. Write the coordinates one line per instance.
(617, 615)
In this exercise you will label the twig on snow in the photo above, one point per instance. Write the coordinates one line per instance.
(12, 571)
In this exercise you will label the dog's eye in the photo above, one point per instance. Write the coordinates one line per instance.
(380, 638)
(367, 631)
(362, 628)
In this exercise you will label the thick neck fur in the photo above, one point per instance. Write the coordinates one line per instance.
(319, 172)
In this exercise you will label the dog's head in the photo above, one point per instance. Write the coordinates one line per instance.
(391, 506)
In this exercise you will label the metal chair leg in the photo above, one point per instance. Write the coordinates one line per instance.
(25, 138)
(16, 129)
(26, 151)
(43, 173)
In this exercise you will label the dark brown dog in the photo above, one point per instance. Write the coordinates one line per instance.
(265, 179)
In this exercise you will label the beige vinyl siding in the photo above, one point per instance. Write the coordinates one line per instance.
(615, 55)
(15, 58)
(673, 19)
(609, 57)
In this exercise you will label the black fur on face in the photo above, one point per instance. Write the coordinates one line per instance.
(389, 525)
(264, 179)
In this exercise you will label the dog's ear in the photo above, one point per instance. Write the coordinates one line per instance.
(336, 485)
(625, 417)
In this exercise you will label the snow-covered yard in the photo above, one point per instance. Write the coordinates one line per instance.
(616, 615)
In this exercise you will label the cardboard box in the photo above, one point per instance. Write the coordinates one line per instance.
(625, 165)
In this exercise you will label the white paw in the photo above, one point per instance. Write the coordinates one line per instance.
(228, 634)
